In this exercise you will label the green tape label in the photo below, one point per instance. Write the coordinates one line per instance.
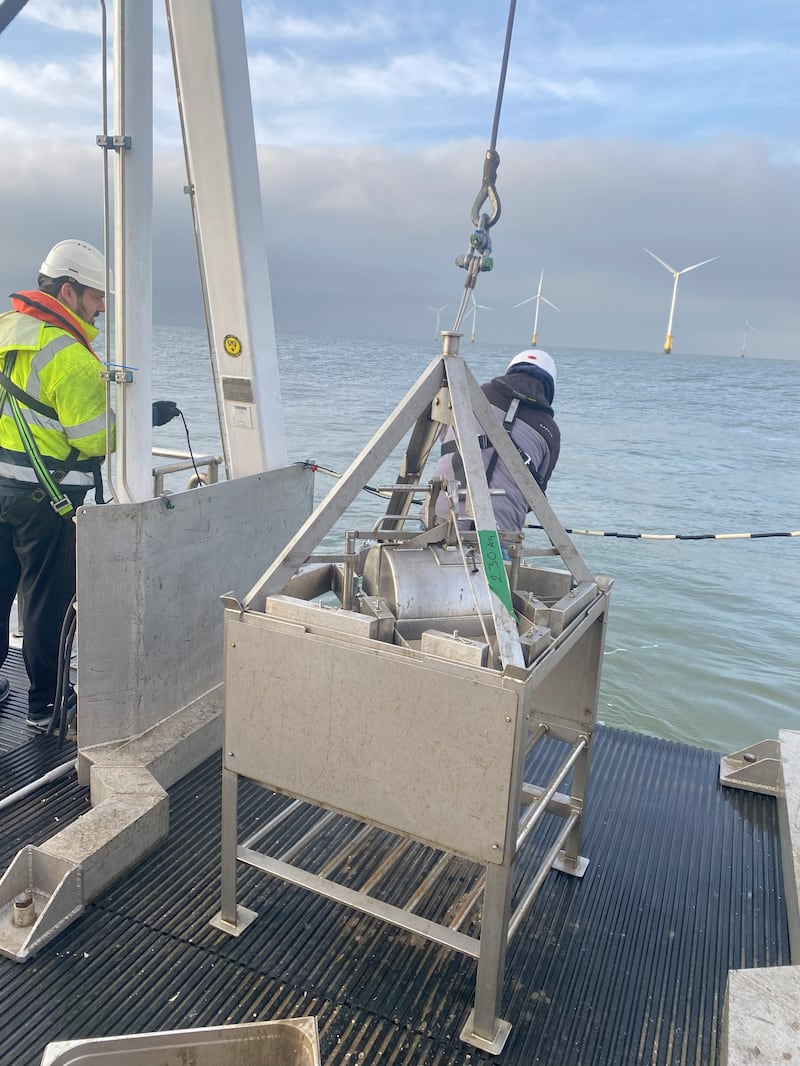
(496, 576)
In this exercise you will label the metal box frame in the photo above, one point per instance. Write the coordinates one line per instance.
(331, 707)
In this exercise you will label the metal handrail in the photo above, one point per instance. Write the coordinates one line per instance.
(184, 461)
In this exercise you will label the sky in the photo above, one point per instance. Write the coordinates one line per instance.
(625, 125)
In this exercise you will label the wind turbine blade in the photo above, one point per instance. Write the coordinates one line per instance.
(694, 266)
(549, 303)
(666, 266)
(525, 302)
(485, 308)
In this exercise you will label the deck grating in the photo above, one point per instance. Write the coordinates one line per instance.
(626, 966)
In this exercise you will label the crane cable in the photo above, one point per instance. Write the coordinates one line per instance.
(478, 256)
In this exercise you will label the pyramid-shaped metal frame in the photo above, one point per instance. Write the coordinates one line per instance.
(447, 392)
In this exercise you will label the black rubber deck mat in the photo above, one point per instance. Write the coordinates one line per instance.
(627, 965)
(25, 754)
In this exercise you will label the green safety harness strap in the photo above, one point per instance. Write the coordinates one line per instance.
(60, 503)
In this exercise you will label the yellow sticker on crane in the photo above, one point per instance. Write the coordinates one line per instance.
(233, 346)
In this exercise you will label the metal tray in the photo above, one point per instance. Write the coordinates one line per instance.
(292, 1042)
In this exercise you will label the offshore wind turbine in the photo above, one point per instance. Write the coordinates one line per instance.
(747, 329)
(538, 298)
(676, 274)
(475, 306)
(438, 311)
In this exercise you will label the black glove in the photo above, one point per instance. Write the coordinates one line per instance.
(164, 411)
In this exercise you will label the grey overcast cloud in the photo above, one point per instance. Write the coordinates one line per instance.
(625, 125)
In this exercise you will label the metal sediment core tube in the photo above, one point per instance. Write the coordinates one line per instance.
(428, 583)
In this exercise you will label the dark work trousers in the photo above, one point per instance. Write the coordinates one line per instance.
(37, 558)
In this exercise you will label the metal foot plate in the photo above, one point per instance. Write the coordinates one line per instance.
(566, 866)
(244, 918)
(494, 1046)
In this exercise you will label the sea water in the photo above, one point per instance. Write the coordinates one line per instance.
(702, 641)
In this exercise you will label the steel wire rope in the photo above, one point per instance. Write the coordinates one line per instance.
(477, 257)
(453, 507)
(309, 464)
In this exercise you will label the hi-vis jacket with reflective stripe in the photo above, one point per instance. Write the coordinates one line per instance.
(61, 372)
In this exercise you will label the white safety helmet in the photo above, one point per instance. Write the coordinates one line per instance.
(535, 357)
(80, 261)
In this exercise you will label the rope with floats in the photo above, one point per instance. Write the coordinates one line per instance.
(310, 464)
(673, 536)
(478, 255)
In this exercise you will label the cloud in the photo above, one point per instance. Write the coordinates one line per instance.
(351, 26)
(622, 126)
(55, 15)
(362, 241)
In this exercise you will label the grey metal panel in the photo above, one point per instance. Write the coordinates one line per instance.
(149, 580)
(238, 390)
(379, 736)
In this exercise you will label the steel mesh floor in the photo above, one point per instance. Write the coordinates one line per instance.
(625, 966)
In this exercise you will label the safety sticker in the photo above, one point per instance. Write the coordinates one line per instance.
(493, 564)
(233, 346)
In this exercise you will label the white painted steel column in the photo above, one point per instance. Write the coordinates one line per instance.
(214, 86)
(133, 246)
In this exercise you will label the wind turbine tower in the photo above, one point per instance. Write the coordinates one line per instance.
(747, 329)
(676, 274)
(438, 311)
(538, 298)
(475, 306)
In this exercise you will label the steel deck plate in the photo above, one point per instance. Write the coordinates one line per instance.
(627, 965)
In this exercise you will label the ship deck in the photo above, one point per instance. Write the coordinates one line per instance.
(627, 965)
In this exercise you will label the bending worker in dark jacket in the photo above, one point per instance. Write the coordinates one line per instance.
(523, 401)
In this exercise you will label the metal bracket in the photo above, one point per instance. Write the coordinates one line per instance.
(119, 377)
(40, 894)
(117, 140)
(754, 769)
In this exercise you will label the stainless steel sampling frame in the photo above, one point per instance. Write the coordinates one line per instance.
(403, 684)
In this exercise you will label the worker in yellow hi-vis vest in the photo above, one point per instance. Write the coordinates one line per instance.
(53, 437)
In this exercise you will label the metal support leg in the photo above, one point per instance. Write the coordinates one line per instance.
(483, 1028)
(570, 860)
(231, 919)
